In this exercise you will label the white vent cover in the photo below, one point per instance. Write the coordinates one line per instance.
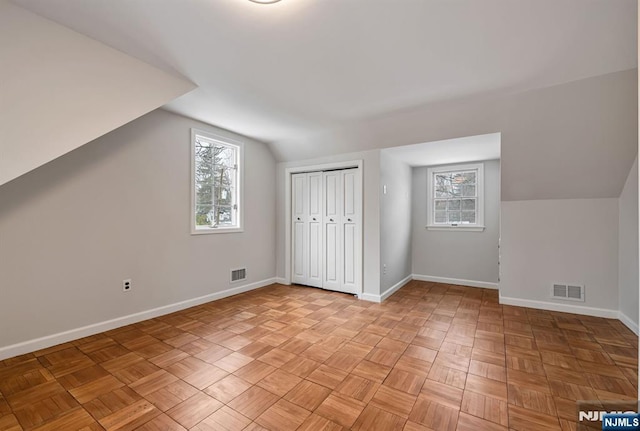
(238, 274)
(570, 292)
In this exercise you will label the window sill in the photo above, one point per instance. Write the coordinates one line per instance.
(207, 231)
(460, 228)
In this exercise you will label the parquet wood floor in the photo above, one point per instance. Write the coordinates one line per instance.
(432, 357)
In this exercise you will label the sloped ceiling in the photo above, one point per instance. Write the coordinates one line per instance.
(313, 78)
(60, 89)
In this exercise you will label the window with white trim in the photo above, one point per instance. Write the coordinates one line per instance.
(215, 184)
(455, 197)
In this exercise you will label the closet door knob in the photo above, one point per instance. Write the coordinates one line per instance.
(298, 218)
(314, 219)
(330, 219)
(348, 219)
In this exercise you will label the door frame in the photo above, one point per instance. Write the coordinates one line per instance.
(358, 164)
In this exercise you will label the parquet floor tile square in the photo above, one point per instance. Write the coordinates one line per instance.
(394, 401)
(373, 418)
(254, 371)
(315, 422)
(341, 409)
(431, 357)
(225, 419)
(358, 388)
(308, 395)
(327, 376)
(484, 407)
(162, 423)
(283, 415)
(252, 402)
(433, 415)
(279, 382)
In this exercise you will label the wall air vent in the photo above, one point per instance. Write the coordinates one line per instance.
(238, 274)
(570, 292)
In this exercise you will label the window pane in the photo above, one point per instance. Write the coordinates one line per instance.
(469, 178)
(457, 177)
(204, 215)
(225, 156)
(443, 192)
(454, 204)
(468, 216)
(223, 216)
(454, 216)
(468, 204)
(442, 186)
(468, 190)
(441, 205)
(440, 216)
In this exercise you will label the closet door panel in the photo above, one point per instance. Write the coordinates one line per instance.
(349, 268)
(331, 261)
(350, 218)
(314, 223)
(300, 250)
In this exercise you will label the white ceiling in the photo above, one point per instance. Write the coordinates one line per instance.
(295, 69)
(459, 150)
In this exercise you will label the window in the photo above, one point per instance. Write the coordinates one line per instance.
(216, 185)
(455, 197)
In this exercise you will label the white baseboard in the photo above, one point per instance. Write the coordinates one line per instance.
(282, 280)
(461, 282)
(628, 322)
(565, 308)
(371, 297)
(390, 291)
(96, 328)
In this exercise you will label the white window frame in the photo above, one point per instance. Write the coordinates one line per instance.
(478, 226)
(239, 216)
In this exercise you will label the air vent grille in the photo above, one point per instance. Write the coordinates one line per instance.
(238, 274)
(570, 292)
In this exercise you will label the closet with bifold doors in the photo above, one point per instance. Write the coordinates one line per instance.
(326, 223)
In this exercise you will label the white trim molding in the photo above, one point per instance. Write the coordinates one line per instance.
(390, 291)
(459, 228)
(288, 245)
(238, 146)
(564, 308)
(372, 297)
(478, 225)
(458, 281)
(628, 322)
(96, 328)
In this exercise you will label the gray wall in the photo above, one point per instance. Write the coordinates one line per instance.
(628, 246)
(560, 240)
(460, 255)
(551, 137)
(395, 221)
(118, 208)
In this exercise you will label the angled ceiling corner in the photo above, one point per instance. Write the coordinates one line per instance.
(60, 90)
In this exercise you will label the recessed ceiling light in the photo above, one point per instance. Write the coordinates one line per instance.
(265, 1)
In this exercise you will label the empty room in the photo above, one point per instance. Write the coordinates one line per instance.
(319, 215)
